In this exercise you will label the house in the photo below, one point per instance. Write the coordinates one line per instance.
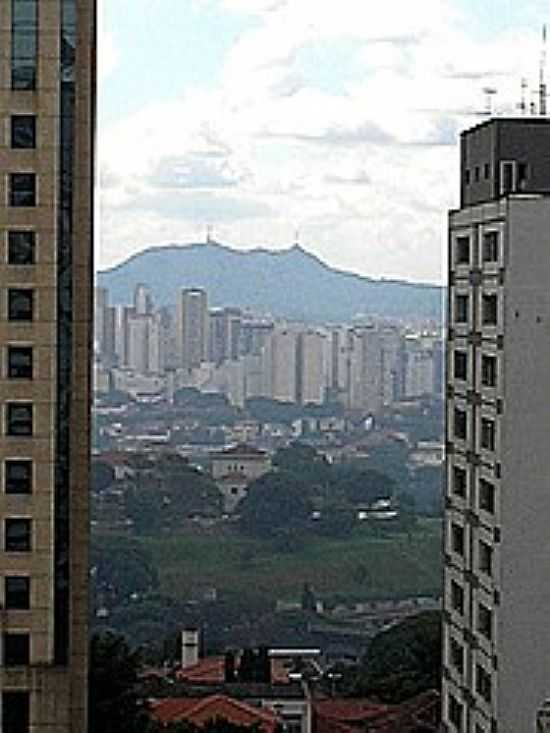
(233, 469)
(202, 710)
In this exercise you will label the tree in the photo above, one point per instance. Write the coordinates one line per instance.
(102, 475)
(121, 567)
(275, 501)
(359, 485)
(403, 661)
(114, 705)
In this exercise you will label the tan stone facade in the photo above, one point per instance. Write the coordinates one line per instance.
(44, 361)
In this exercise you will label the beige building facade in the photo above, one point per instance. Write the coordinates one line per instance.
(47, 64)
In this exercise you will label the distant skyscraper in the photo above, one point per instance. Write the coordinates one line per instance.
(224, 334)
(47, 99)
(192, 328)
(283, 366)
(143, 300)
(310, 368)
(365, 370)
(497, 548)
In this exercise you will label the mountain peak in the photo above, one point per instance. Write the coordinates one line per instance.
(291, 283)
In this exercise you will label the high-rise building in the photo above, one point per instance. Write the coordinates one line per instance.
(192, 328)
(365, 369)
(497, 552)
(224, 335)
(282, 363)
(311, 383)
(143, 300)
(47, 102)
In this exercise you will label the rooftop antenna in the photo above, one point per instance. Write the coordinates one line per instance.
(489, 92)
(542, 71)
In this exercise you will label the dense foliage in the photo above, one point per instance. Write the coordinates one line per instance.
(403, 661)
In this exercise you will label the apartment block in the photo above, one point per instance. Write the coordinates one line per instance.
(497, 551)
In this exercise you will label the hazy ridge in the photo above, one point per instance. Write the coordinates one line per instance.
(291, 283)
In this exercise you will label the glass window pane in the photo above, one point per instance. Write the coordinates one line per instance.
(16, 649)
(18, 476)
(20, 360)
(20, 304)
(16, 711)
(21, 246)
(19, 419)
(22, 189)
(17, 535)
(23, 131)
(17, 592)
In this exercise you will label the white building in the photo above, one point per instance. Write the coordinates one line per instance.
(497, 548)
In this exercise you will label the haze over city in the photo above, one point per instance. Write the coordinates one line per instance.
(333, 123)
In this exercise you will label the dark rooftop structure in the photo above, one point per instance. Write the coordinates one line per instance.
(505, 155)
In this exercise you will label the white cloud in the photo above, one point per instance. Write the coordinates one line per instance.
(366, 171)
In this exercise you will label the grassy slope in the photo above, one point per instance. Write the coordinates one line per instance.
(361, 566)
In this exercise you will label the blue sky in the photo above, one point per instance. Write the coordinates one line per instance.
(264, 117)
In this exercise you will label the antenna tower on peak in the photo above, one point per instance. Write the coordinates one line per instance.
(209, 239)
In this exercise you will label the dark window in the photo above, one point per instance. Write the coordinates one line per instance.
(18, 476)
(455, 712)
(457, 597)
(485, 558)
(21, 246)
(490, 247)
(24, 44)
(456, 655)
(22, 189)
(19, 419)
(461, 308)
(17, 592)
(486, 496)
(16, 711)
(23, 131)
(467, 176)
(488, 371)
(483, 683)
(17, 535)
(20, 362)
(476, 173)
(16, 649)
(488, 433)
(461, 365)
(489, 309)
(507, 182)
(460, 419)
(457, 538)
(487, 171)
(484, 621)
(459, 481)
(20, 304)
(462, 250)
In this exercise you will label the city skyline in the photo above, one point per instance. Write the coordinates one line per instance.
(275, 121)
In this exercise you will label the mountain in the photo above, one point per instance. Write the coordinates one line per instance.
(291, 283)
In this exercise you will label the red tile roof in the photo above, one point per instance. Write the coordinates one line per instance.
(211, 671)
(202, 710)
(350, 715)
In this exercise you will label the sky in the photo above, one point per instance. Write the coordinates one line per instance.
(266, 122)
